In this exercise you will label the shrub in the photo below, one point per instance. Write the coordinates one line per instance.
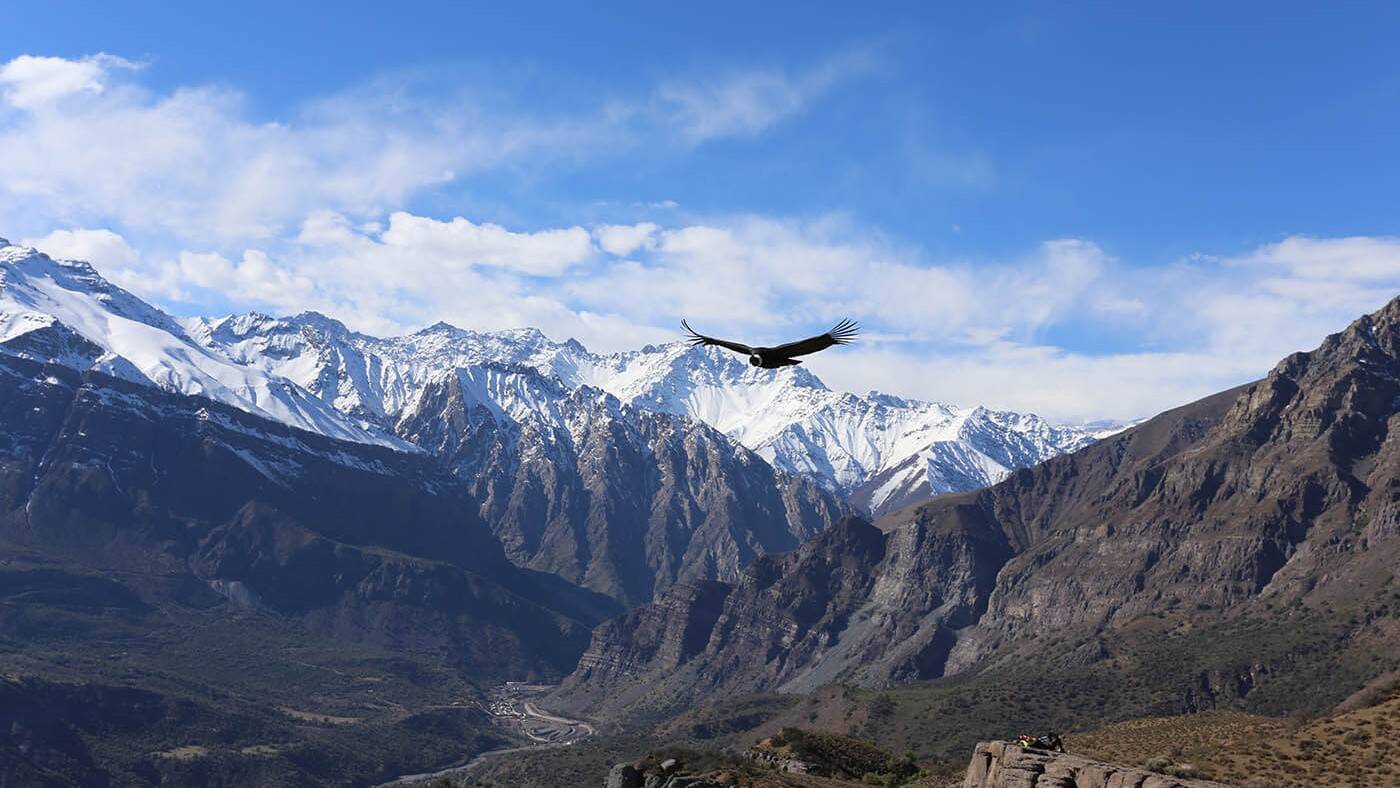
(1158, 764)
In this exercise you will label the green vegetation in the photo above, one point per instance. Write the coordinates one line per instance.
(1272, 664)
(184, 694)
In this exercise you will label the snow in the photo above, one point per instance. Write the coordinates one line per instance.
(788, 416)
(311, 371)
(145, 344)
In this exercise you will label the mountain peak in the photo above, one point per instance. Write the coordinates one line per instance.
(1380, 329)
(321, 321)
(243, 324)
(1388, 315)
(440, 327)
(312, 371)
(527, 333)
(890, 400)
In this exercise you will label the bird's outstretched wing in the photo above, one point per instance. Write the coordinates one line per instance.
(697, 338)
(843, 333)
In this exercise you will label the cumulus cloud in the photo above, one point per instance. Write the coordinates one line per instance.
(254, 278)
(624, 239)
(1354, 259)
(459, 242)
(760, 274)
(84, 140)
(103, 248)
(959, 331)
(306, 212)
(192, 165)
(30, 82)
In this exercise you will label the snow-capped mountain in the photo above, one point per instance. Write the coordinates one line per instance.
(64, 312)
(313, 372)
(879, 450)
(570, 479)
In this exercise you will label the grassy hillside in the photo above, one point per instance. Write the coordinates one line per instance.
(95, 681)
(1359, 747)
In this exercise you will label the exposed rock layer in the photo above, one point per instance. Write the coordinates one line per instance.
(1006, 765)
(623, 501)
(1283, 491)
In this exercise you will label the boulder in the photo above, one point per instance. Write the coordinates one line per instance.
(1005, 765)
(624, 775)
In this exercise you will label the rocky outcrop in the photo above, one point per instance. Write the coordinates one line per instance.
(1005, 765)
(623, 501)
(1279, 493)
(665, 774)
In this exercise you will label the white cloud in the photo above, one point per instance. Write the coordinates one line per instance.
(624, 239)
(254, 278)
(958, 331)
(305, 213)
(30, 82)
(748, 103)
(1354, 259)
(1046, 380)
(193, 163)
(103, 248)
(413, 272)
(758, 274)
(459, 242)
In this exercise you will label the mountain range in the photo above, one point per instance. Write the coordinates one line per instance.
(258, 550)
(1228, 533)
(623, 473)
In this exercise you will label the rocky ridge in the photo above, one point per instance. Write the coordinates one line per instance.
(625, 472)
(1279, 493)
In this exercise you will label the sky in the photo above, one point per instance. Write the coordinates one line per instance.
(1086, 210)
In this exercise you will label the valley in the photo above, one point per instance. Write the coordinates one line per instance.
(504, 559)
(515, 715)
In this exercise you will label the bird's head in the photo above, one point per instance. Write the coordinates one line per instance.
(756, 360)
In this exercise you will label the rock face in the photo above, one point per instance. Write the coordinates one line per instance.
(666, 774)
(626, 502)
(633, 471)
(1281, 492)
(882, 451)
(199, 502)
(625, 473)
(1006, 765)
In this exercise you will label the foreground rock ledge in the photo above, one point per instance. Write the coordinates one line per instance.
(1000, 764)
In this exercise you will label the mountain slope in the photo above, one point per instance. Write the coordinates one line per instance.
(1274, 496)
(63, 311)
(654, 497)
(619, 500)
(881, 451)
(204, 501)
(625, 473)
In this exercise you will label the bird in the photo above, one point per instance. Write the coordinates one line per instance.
(843, 333)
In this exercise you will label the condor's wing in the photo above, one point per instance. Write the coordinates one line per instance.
(843, 333)
(696, 338)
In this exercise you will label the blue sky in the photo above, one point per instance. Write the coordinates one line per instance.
(1083, 209)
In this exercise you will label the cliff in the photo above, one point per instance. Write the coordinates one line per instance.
(1267, 501)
